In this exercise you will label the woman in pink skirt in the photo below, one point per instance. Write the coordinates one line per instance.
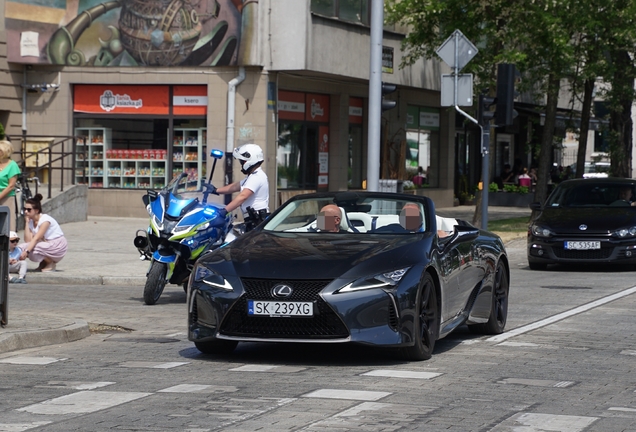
(44, 240)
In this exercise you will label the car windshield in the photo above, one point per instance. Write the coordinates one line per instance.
(592, 194)
(364, 215)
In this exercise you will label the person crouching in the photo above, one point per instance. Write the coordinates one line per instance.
(44, 240)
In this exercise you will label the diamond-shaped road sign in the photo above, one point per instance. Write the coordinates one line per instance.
(465, 50)
(464, 90)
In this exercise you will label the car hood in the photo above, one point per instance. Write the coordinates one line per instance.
(323, 256)
(598, 220)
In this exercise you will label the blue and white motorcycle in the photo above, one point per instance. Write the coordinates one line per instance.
(181, 230)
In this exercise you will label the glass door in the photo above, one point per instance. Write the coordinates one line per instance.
(297, 155)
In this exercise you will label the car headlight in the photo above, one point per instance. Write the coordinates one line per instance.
(625, 232)
(210, 277)
(540, 231)
(382, 280)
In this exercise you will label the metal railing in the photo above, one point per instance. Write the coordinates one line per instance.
(57, 156)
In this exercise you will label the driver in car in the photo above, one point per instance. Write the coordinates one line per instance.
(329, 218)
(625, 197)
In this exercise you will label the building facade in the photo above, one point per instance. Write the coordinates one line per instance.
(149, 87)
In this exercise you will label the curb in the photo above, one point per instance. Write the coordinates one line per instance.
(87, 280)
(32, 339)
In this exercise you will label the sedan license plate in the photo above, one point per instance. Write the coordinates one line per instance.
(280, 308)
(582, 245)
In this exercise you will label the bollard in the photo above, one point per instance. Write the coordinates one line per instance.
(4, 264)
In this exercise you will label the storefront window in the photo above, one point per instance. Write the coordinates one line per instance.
(129, 137)
(422, 138)
(302, 155)
(297, 156)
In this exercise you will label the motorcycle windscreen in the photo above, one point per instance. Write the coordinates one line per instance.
(176, 206)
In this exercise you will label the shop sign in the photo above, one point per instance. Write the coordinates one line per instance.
(190, 100)
(429, 118)
(291, 105)
(355, 110)
(317, 108)
(387, 59)
(412, 117)
(121, 99)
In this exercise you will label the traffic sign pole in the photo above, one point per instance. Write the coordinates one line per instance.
(456, 52)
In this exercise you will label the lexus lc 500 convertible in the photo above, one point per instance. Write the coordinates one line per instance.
(369, 268)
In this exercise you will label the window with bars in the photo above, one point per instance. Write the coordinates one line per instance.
(356, 11)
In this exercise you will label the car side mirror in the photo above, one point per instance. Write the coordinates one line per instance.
(536, 206)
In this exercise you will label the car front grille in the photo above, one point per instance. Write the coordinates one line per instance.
(594, 254)
(325, 323)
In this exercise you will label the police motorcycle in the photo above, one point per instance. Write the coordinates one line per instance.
(181, 230)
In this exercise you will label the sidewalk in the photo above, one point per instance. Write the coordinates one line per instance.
(101, 252)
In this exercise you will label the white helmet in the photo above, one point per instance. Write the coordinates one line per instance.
(249, 155)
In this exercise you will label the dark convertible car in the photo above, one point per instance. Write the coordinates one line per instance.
(585, 221)
(387, 272)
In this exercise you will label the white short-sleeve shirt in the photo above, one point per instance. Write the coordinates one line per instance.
(256, 182)
(53, 231)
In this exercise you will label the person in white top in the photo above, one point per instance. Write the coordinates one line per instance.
(253, 189)
(44, 240)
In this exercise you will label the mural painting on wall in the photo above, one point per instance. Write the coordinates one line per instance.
(131, 32)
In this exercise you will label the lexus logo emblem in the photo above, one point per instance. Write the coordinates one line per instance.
(583, 227)
(282, 291)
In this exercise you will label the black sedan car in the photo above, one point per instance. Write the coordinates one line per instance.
(585, 221)
(368, 268)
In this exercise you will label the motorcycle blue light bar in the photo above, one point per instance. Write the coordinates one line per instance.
(216, 153)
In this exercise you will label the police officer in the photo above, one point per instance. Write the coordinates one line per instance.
(253, 197)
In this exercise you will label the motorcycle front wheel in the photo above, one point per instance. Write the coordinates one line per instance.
(155, 283)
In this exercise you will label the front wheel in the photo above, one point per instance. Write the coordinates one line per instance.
(155, 283)
(425, 323)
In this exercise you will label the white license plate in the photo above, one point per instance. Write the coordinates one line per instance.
(280, 308)
(582, 245)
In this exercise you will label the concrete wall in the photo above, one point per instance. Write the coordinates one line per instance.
(69, 206)
(300, 40)
(286, 30)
